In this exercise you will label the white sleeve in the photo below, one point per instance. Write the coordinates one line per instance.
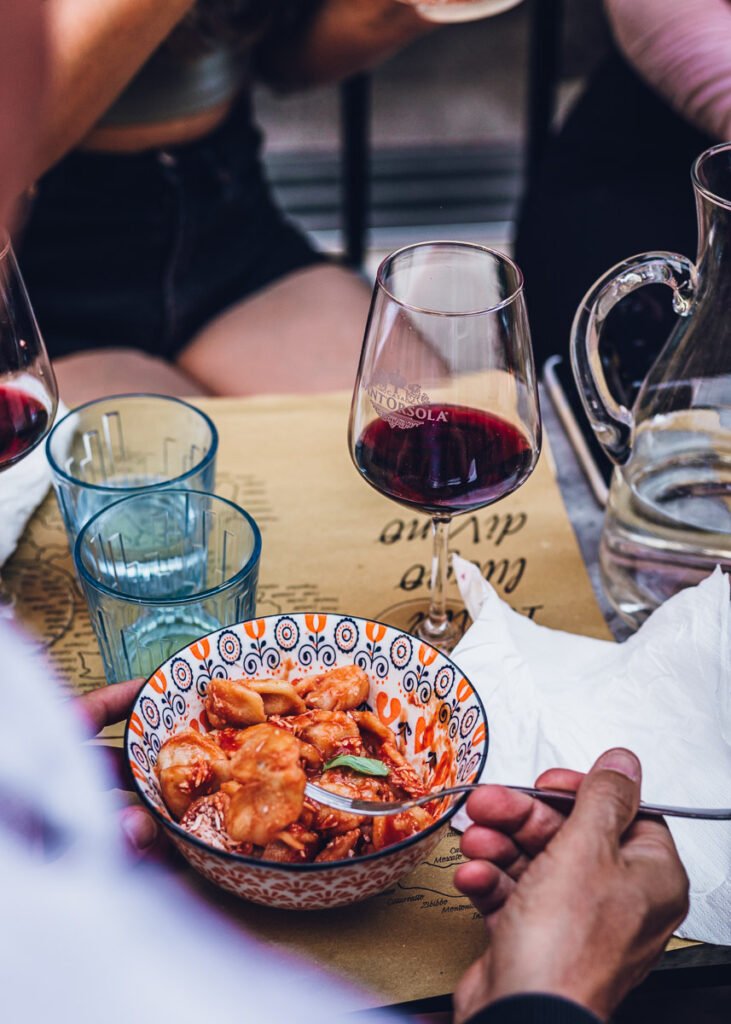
(87, 935)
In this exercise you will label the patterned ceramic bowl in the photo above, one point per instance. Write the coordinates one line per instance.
(415, 689)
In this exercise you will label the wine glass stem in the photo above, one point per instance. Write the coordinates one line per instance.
(437, 622)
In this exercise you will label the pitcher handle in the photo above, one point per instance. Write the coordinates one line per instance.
(612, 422)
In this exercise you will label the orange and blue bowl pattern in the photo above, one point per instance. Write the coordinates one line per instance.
(414, 689)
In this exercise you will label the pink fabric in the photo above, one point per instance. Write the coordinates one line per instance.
(683, 50)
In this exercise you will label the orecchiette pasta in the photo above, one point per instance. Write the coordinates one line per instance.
(241, 786)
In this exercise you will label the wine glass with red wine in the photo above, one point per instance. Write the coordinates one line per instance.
(28, 395)
(445, 416)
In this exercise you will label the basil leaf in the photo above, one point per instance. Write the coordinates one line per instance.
(364, 765)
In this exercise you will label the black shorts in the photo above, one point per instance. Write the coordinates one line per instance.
(143, 250)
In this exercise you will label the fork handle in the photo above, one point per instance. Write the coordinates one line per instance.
(554, 797)
(567, 799)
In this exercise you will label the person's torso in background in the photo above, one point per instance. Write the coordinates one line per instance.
(203, 65)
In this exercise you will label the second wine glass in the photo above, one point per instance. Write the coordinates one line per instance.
(445, 416)
(28, 395)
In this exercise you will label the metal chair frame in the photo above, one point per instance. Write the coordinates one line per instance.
(546, 19)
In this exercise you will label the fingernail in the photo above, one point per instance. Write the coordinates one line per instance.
(622, 761)
(140, 830)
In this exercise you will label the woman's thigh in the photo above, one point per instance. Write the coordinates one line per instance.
(301, 334)
(85, 376)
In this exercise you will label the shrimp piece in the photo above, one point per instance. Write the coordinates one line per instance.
(268, 785)
(229, 740)
(396, 827)
(294, 845)
(241, 702)
(265, 747)
(333, 822)
(342, 847)
(368, 722)
(286, 722)
(232, 702)
(206, 820)
(307, 818)
(401, 772)
(279, 696)
(360, 787)
(330, 732)
(190, 765)
(383, 742)
(311, 757)
(340, 689)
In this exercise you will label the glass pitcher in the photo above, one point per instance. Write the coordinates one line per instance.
(668, 518)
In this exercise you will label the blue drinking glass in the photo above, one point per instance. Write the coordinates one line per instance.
(128, 444)
(161, 569)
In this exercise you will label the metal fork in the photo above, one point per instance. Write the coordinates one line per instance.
(553, 797)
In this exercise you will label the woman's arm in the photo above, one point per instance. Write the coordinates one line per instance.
(95, 48)
(340, 38)
(682, 48)
(22, 84)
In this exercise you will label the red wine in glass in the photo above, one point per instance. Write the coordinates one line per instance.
(23, 422)
(28, 395)
(445, 416)
(454, 459)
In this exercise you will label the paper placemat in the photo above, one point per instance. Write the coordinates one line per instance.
(332, 543)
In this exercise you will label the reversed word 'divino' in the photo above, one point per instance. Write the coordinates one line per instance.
(473, 529)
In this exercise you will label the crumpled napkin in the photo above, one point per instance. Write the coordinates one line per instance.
(555, 699)
(22, 488)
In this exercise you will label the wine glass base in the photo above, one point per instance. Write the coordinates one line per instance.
(444, 637)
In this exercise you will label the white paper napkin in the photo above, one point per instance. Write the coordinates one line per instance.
(22, 488)
(555, 699)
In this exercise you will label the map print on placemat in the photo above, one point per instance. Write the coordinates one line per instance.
(330, 542)
(48, 601)
(249, 491)
(383, 943)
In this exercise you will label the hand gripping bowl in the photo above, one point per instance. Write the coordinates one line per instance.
(414, 689)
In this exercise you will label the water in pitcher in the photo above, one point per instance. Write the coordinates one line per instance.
(668, 521)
